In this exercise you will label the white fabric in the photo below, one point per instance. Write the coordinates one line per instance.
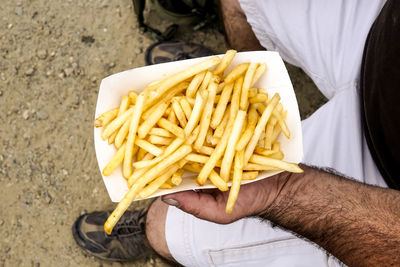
(325, 39)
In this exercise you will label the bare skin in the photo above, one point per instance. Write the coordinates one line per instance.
(238, 32)
(155, 228)
(357, 223)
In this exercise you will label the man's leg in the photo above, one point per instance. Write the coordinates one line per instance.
(238, 32)
(155, 228)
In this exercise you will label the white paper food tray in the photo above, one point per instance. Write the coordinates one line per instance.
(275, 79)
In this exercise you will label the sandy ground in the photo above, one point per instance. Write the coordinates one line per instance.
(53, 57)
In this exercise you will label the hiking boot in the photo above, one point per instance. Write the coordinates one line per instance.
(174, 50)
(127, 241)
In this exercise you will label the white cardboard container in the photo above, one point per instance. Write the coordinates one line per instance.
(275, 80)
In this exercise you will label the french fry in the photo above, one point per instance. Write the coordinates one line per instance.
(136, 113)
(160, 167)
(230, 149)
(259, 98)
(167, 111)
(177, 89)
(176, 78)
(226, 60)
(259, 72)
(205, 82)
(218, 181)
(172, 118)
(115, 124)
(216, 155)
(206, 116)
(214, 141)
(160, 132)
(187, 109)
(277, 130)
(277, 155)
(149, 147)
(237, 71)
(253, 92)
(180, 115)
(132, 97)
(260, 128)
(276, 146)
(236, 181)
(236, 97)
(264, 152)
(219, 131)
(154, 185)
(174, 157)
(159, 140)
(166, 185)
(206, 150)
(261, 139)
(119, 210)
(220, 87)
(115, 161)
(122, 108)
(122, 133)
(193, 136)
(145, 179)
(191, 101)
(216, 99)
(221, 106)
(260, 108)
(192, 167)
(249, 175)
(246, 85)
(209, 135)
(248, 132)
(176, 178)
(196, 114)
(153, 86)
(137, 173)
(124, 105)
(193, 157)
(151, 110)
(147, 124)
(259, 167)
(269, 131)
(141, 154)
(282, 123)
(173, 128)
(106, 117)
(287, 166)
(111, 139)
(168, 150)
(194, 84)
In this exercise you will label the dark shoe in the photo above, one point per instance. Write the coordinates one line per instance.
(127, 241)
(174, 50)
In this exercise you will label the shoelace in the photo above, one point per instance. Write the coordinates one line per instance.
(180, 56)
(130, 224)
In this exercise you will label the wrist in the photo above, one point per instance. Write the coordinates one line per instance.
(282, 188)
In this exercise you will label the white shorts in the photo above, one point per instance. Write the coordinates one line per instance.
(326, 39)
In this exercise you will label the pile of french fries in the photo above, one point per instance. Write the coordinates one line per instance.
(197, 120)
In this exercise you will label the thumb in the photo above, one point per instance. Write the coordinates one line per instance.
(200, 205)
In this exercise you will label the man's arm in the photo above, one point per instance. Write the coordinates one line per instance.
(357, 223)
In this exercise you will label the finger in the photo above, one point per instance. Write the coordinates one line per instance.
(201, 205)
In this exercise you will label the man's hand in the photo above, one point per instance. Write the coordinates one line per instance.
(209, 204)
(358, 223)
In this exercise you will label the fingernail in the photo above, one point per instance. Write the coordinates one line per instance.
(171, 202)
